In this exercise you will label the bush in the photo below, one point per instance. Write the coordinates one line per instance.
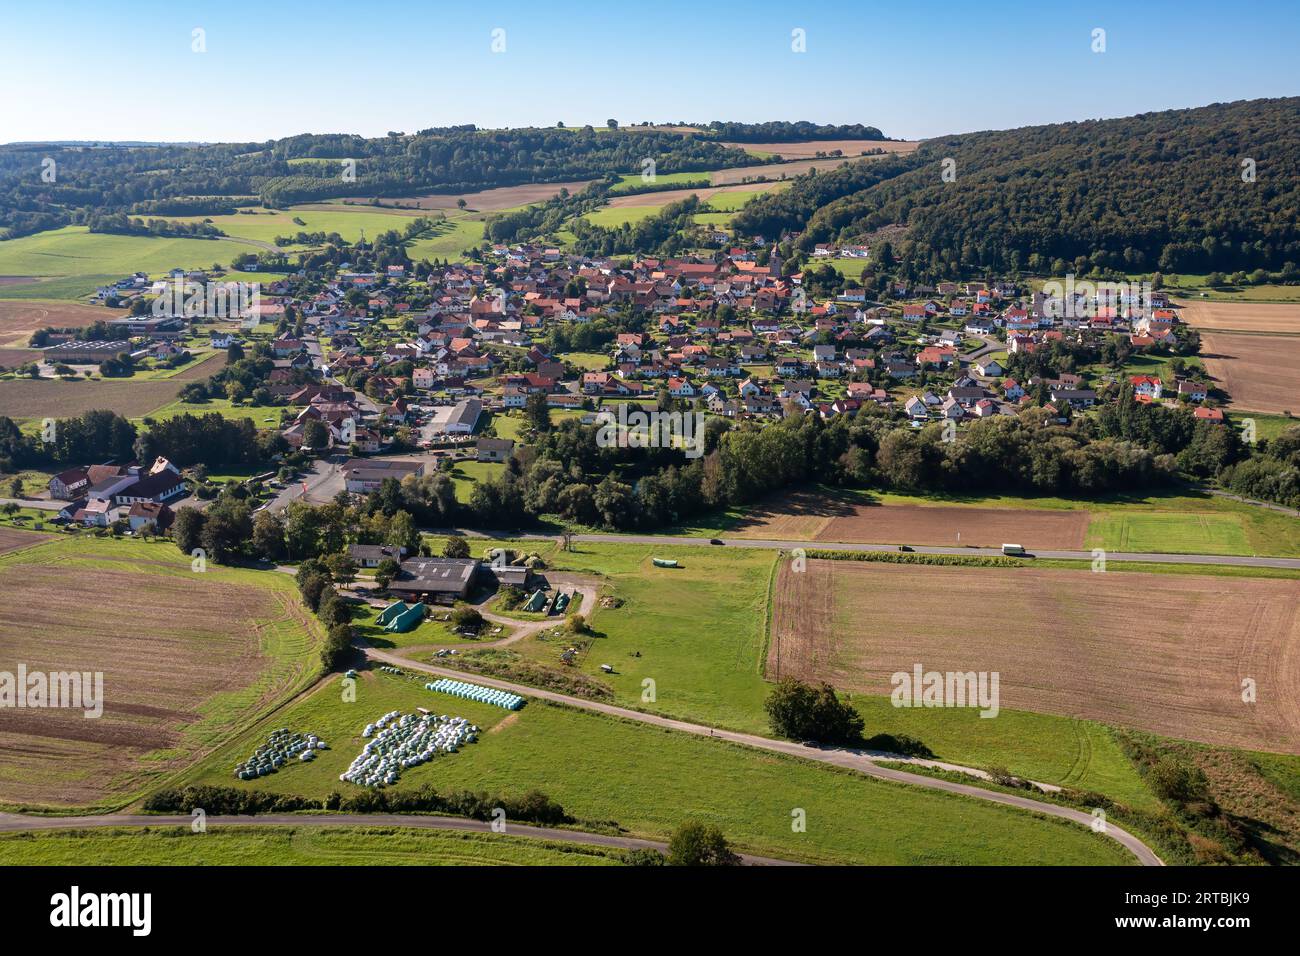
(456, 547)
(465, 618)
(337, 646)
(643, 857)
(225, 800)
(698, 844)
(799, 711)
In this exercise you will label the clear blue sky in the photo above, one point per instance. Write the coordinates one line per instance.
(125, 70)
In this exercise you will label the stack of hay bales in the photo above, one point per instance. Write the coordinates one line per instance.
(280, 747)
(401, 741)
(484, 695)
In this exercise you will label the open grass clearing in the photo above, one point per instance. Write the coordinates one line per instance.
(648, 780)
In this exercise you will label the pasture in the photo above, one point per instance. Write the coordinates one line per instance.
(648, 780)
(187, 658)
(75, 251)
(1162, 653)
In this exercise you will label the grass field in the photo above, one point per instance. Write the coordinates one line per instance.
(1164, 653)
(262, 416)
(290, 846)
(466, 474)
(56, 289)
(648, 780)
(74, 251)
(186, 659)
(448, 240)
(263, 225)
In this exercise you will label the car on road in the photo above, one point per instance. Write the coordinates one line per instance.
(715, 541)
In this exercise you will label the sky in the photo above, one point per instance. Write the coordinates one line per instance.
(111, 70)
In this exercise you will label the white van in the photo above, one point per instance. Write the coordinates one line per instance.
(1013, 549)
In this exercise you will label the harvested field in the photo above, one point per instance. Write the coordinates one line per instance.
(1241, 316)
(1260, 373)
(1161, 652)
(19, 319)
(185, 659)
(778, 171)
(664, 197)
(52, 398)
(823, 518)
(487, 200)
(851, 148)
(11, 539)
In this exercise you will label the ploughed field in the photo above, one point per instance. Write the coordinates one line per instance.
(1161, 652)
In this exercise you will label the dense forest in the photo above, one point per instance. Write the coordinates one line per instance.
(783, 132)
(1214, 188)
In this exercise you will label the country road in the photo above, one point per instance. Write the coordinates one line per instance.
(15, 823)
(850, 759)
(772, 544)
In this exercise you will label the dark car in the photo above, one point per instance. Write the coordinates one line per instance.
(715, 541)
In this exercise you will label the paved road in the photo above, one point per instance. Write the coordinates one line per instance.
(1227, 560)
(851, 759)
(16, 822)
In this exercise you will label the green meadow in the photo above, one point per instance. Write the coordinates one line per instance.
(303, 845)
(646, 781)
(75, 251)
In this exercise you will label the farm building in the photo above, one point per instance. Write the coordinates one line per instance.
(369, 475)
(87, 353)
(439, 580)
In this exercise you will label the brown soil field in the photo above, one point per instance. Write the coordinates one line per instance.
(11, 539)
(1260, 373)
(487, 200)
(1241, 316)
(19, 319)
(810, 516)
(851, 148)
(166, 647)
(1165, 653)
(51, 398)
(663, 198)
(978, 527)
(779, 171)
(12, 358)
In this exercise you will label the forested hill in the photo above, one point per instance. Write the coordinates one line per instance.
(201, 180)
(1156, 191)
